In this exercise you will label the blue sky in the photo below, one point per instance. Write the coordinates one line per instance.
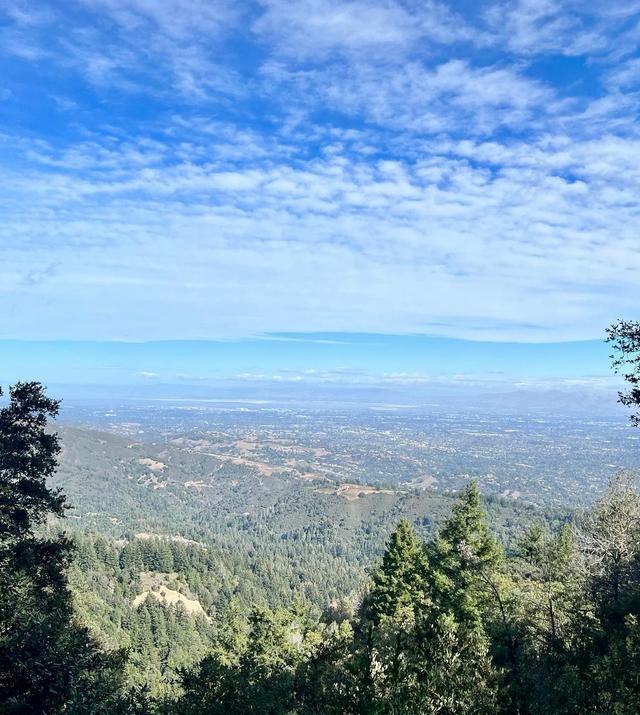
(212, 170)
(321, 359)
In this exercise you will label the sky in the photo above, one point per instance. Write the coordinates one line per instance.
(321, 359)
(240, 172)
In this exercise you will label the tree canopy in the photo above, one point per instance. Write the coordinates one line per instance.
(453, 624)
(48, 661)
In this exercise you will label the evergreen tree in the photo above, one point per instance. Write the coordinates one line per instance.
(399, 581)
(422, 644)
(457, 674)
(465, 560)
(48, 663)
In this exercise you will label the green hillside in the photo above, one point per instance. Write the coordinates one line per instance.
(224, 535)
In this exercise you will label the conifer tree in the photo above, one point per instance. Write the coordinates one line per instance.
(458, 675)
(48, 663)
(399, 581)
(465, 558)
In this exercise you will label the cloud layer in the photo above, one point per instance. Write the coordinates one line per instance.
(217, 169)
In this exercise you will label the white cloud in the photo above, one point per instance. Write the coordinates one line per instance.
(414, 99)
(134, 45)
(379, 166)
(437, 244)
(366, 378)
(315, 29)
(625, 75)
(569, 27)
(180, 19)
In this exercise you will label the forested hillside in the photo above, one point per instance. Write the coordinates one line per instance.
(241, 543)
(452, 626)
(282, 535)
(397, 601)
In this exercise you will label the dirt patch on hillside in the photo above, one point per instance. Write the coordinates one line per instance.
(198, 485)
(156, 585)
(151, 480)
(262, 468)
(424, 482)
(351, 492)
(152, 464)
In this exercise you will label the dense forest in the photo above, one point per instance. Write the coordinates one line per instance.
(452, 619)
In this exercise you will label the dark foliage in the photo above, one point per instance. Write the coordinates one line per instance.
(624, 337)
(48, 661)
